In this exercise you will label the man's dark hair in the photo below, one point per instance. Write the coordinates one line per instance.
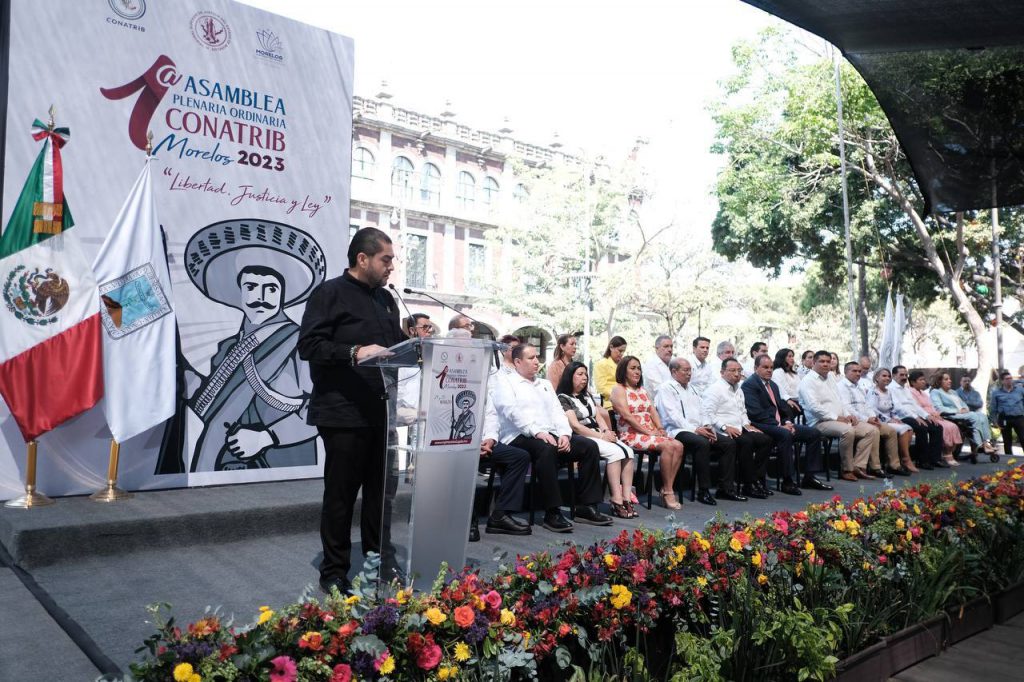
(699, 339)
(509, 338)
(620, 370)
(803, 356)
(1005, 373)
(759, 358)
(414, 320)
(897, 368)
(757, 347)
(517, 352)
(262, 271)
(847, 365)
(368, 240)
(725, 363)
(822, 353)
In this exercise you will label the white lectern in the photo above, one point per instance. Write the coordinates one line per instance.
(426, 518)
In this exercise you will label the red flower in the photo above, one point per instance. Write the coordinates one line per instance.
(464, 616)
(283, 669)
(227, 650)
(342, 673)
(428, 656)
(493, 599)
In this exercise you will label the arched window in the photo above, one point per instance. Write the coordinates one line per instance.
(363, 163)
(401, 178)
(465, 191)
(490, 191)
(521, 194)
(430, 185)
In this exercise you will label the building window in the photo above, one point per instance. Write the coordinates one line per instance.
(416, 260)
(401, 179)
(465, 191)
(490, 191)
(520, 194)
(352, 229)
(430, 185)
(476, 268)
(363, 163)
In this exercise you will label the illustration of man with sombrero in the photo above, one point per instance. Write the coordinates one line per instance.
(253, 402)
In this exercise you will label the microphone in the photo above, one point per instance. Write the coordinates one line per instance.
(421, 292)
(408, 313)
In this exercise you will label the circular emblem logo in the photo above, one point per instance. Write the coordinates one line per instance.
(34, 296)
(210, 30)
(128, 9)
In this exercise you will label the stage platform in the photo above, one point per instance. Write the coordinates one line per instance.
(78, 575)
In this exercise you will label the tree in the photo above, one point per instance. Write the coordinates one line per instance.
(780, 192)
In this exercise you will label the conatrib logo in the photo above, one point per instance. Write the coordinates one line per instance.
(128, 9)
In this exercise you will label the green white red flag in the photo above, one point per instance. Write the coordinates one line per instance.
(50, 354)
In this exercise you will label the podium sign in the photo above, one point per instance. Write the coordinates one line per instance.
(427, 516)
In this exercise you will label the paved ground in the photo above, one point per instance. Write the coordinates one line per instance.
(73, 614)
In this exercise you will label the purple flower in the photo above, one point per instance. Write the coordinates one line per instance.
(381, 621)
(476, 632)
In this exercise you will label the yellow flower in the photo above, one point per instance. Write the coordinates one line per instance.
(917, 509)
(888, 548)
(702, 581)
(809, 547)
(403, 595)
(866, 566)
(1011, 461)
(526, 639)
(265, 615)
(680, 551)
(900, 524)
(434, 615)
(756, 559)
(447, 672)
(508, 618)
(621, 596)
(799, 570)
(183, 672)
(762, 579)
(354, 599)
(735, 545)
(909, 536)
(195, 678)
(970, 523)
(462, 652)
(839, 525)
(609, 560)
(388, 666)
(704, 544)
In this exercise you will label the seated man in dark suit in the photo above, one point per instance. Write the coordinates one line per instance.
(771, 414)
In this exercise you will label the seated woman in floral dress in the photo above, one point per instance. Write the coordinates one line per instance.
(640, 428)
(591, 421)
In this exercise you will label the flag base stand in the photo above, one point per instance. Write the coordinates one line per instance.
(31, 498)
(111, 493)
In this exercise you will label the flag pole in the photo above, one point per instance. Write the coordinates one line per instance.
(111, 493)
(31, 498)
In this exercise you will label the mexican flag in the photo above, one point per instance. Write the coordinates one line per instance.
(50, 354)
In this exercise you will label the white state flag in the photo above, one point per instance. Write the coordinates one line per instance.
(138, 322)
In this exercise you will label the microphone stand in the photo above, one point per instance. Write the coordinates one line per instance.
(410, 319)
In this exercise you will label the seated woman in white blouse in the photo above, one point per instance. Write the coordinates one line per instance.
(588, 419)
(785, 376)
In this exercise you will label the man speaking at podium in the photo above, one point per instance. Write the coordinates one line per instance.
(347, 319)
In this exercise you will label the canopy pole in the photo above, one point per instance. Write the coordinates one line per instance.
(997, 289)
(846, 211)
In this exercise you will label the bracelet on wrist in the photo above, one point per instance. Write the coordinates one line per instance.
(352, 354)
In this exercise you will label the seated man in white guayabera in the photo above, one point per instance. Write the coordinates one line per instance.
(856, 403)
(824, 410)
(655, 367)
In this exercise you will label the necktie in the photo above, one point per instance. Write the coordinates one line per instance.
(768, 387)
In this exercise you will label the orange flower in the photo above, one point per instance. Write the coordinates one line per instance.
(312, 640)
(464, 616)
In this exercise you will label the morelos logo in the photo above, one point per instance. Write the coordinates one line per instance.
(210, 30)
(35, 297)
(269, 46)
(128, 9)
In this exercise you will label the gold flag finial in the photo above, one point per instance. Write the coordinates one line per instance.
(53, 110)
(149, 143)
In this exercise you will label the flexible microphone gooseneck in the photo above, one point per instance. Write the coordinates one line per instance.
(420, 292)
(410, 319)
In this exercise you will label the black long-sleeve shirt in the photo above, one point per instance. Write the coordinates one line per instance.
(342, 313)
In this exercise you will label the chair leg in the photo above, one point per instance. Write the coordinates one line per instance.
(572, 489)
(532, 495)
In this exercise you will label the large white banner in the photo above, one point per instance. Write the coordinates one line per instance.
(250, 115)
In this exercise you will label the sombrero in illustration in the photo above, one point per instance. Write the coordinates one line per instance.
(217, 253)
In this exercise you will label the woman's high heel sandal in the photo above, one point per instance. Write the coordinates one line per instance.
(620, 510)
(668, 498)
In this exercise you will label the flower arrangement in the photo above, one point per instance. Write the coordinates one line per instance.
(778, 598)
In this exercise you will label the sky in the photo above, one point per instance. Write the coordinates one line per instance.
(599, 74)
